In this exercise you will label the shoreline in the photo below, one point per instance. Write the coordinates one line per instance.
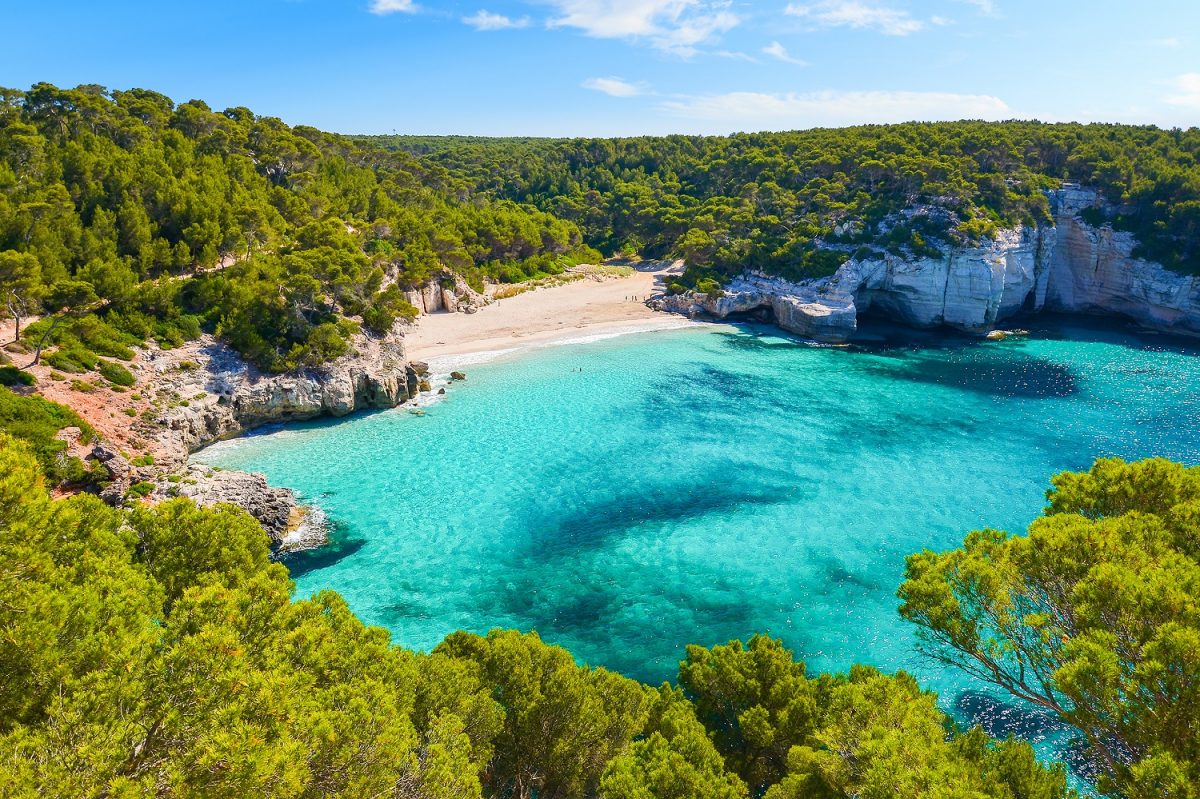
(487, 350)
(595, 306)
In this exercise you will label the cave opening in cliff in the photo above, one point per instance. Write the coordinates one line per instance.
(764, 314)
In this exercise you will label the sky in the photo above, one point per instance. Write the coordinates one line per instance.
(625, 67)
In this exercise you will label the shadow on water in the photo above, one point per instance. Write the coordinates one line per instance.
(1000, 373)
(572, 607)
(839, 576)
(342, 544)
(1001, 719)
(757, 337)
(935, 357)
(304, 425)
(595, 524)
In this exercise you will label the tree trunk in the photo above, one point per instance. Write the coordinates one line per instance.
(37, 354)
(15, 310)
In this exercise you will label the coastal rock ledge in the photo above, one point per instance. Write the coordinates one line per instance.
(207, 393)
(1069, 266)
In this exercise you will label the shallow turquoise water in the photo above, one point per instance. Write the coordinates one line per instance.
(704, 484)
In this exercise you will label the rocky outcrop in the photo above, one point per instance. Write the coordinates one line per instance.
(1069, 266)
(204, 391)
(120, 472)
(447, 293)
(210, 393)
(1093, 270)
(287, 522)
(813, 310)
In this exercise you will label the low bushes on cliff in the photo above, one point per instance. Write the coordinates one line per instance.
(115, 373)
(12, 376)
(37, 421)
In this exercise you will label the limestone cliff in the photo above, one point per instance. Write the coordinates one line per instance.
(1068, 266)
(215, 394)
(1093, 270)
(204, 391)
(448, 292)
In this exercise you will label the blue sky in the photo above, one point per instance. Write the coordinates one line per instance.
(625, 67)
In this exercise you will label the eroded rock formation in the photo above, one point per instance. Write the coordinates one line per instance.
(1069, 266)
(207, 392)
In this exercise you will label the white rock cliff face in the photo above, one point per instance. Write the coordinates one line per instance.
(219, 394)
(208, 392)
(1069, 266)
(1092, 270)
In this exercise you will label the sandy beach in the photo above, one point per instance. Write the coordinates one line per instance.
(594, 306)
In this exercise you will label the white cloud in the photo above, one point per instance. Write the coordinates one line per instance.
(393, 6)
(777, 50)
(757, 111)
(677, 26)
(1188, 88)
(614, 87)
(737, 55)
(856, 14)
(483, 20)
(1168, 42)
(986, 7)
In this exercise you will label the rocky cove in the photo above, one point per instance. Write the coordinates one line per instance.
(207, 392)
(1069, 266)
(204, 392)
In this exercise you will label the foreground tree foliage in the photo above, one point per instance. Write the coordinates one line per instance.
(158, 652)
(1095, 616)
(862, 734)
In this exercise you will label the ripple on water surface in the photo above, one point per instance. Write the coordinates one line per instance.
(630, 496)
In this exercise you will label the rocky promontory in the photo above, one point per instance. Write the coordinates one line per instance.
(186, 397)
(212, 393)
(205, 392)
(1068, 266)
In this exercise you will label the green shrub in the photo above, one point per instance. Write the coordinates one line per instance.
(140, 489)
(37, 420)
(82, 386)
(12, 376)
(101, 338)
(709, 287)
(116, 373)
(143, 460)
(72, 358)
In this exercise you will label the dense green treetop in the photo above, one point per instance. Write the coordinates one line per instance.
(1094, 616)
(766, 200)
(146, 219)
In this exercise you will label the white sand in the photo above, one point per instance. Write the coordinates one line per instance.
(584, 309)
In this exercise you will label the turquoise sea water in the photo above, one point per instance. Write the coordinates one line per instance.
(630, 496)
